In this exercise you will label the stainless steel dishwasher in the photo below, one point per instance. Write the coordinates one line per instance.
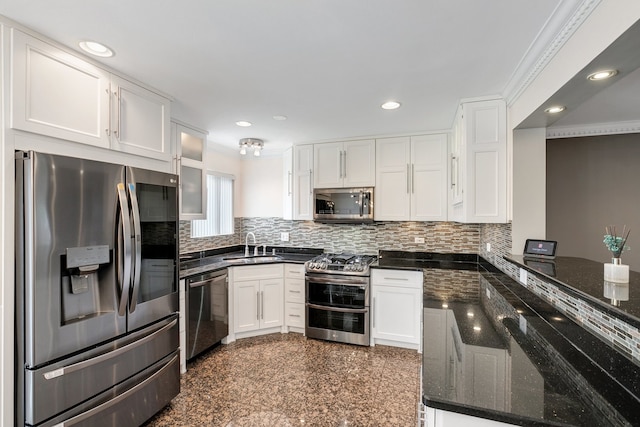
(207, 311)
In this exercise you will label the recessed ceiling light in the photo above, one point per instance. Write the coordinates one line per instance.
(95, 48)
(390, 105)
(243, 123)
(555, 109)
(279, 117)
(602, 75)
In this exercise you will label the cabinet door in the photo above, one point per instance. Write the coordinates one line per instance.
(303, 182)
(429, 178)
(485, 162)
(359, 163)
(140, 120)
(245, 305)
(328, 165)
(396, 314)
(392, 198)
(193, 190)
(58, 94)
(287, 178)
(272, 303)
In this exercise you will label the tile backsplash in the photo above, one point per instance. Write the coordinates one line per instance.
(368, 238)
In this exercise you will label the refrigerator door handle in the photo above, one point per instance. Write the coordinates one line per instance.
(137, 237)
(126, 256)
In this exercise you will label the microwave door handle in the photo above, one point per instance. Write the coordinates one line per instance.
(361, 199)
(137, 238)
(125, 240)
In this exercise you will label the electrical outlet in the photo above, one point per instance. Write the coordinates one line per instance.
(284, 237)
(523, 276)
(419, 240)
(488, 247)
(488, 294)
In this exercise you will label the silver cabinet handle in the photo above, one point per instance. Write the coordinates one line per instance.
(125, 240)
(344, 161)
(258, 305)
(403, 279)
(408, 178)
(294, 315)
(262, 305)
(289, 179)
(310, 181)
(294, 292)
(108, 129)
(453, 171)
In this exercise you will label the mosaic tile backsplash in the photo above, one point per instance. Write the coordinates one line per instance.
(369, 238)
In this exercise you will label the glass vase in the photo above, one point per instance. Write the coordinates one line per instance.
(616, 271)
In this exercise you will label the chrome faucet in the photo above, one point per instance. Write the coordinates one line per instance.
(246, 244)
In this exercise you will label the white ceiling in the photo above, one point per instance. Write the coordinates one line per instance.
(325, 64)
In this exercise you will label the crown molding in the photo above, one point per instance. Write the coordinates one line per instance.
(596, 129)
(563, 23)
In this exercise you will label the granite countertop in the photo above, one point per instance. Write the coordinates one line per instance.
(584, 279)
(195, 263)
(399, 260)
(493, 349)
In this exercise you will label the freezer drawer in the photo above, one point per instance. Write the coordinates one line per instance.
(130, 403)
(51, 389)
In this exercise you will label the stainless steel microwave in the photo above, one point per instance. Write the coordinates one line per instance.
(343, 205)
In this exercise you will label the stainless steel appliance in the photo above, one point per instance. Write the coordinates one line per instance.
(343, 205)
(96, 292)
(337, 298)
(207, 311)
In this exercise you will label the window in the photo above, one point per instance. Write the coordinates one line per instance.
(219, 207)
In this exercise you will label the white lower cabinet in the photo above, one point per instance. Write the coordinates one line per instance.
(440, 418)
(396, 306)
(294, 297)
(257, 298)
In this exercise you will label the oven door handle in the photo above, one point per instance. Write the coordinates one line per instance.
(339, 309)
(356, 281)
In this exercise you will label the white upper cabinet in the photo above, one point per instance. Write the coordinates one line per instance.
(345, 164)
(59, 94)
(140, 122)
(191, 144)
(411, 181)
(478, 186)
(303, 182)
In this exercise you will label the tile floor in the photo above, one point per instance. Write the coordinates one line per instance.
(284, 380)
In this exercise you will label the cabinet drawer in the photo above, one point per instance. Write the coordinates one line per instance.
(294, 271)
(255, 272)
(399, 278)
(294, 290)
(294, 314)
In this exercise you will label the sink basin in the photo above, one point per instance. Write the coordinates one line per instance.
(256, 259)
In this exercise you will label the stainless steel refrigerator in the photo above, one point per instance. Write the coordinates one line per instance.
(97, 331)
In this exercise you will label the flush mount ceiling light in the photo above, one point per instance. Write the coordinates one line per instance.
(602, 75)
(96, 49)
(555, 109)
(254, 144)
(279, 117)
(390, 105)
(243, 123)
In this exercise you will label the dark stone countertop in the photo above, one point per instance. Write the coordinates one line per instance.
(584, 279)
(194, 263)
(502, 353)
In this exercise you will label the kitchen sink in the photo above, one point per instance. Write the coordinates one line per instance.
(255, 259)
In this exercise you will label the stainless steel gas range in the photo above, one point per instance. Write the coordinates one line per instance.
(337, 298)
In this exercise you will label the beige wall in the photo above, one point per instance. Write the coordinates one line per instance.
(591, 183)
